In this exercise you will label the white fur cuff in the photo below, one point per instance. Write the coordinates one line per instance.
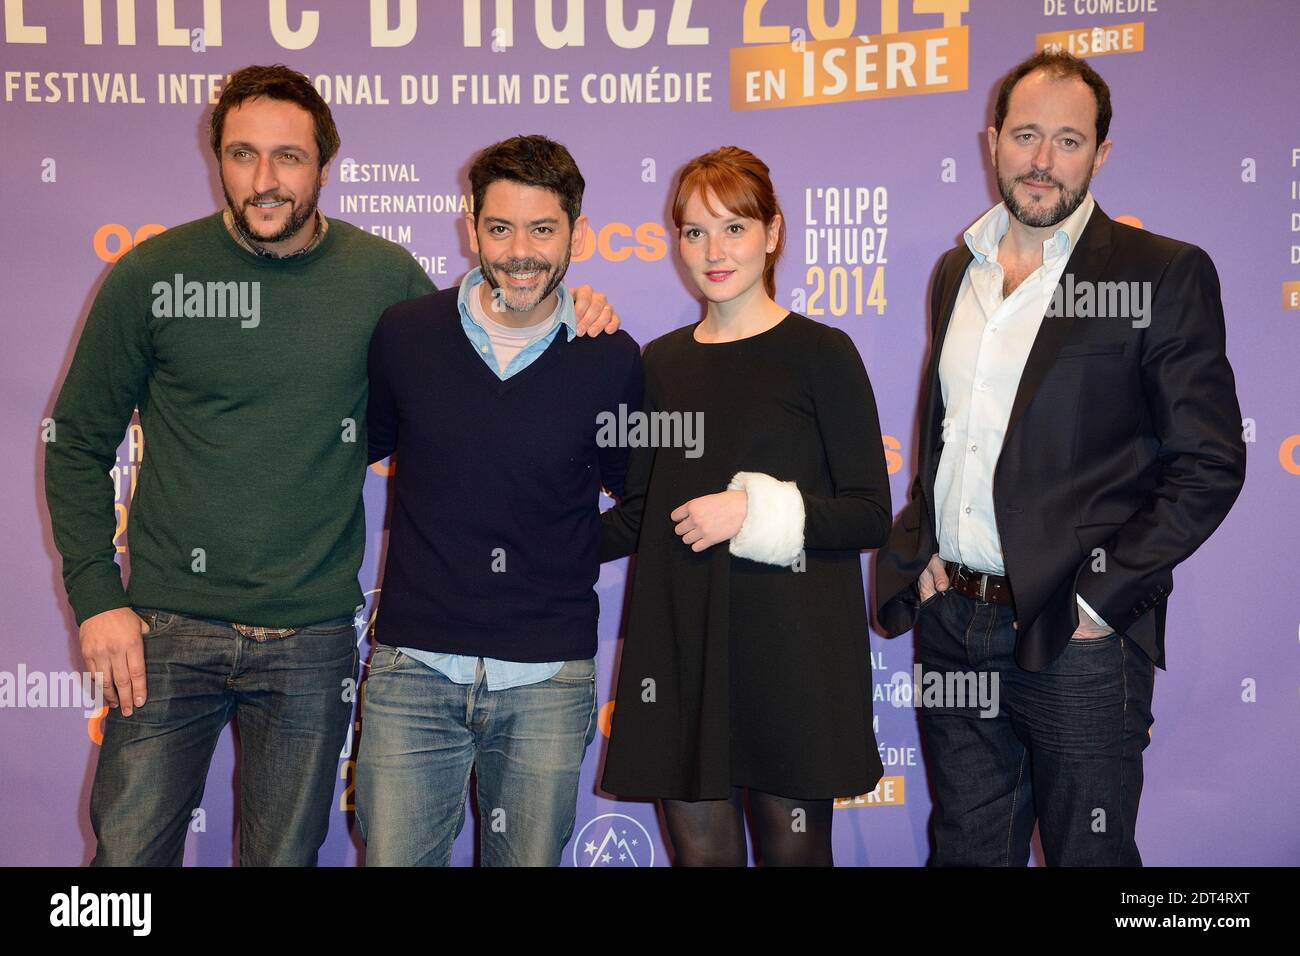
(773, 528)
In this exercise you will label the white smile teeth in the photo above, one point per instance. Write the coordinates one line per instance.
(521, 275)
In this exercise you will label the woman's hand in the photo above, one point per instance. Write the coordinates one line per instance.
(711, 519)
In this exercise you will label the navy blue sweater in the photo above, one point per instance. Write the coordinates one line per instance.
(494, 540)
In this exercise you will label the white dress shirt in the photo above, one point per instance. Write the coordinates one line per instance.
(984, 352)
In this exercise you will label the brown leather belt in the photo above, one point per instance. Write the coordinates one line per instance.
(989, 588)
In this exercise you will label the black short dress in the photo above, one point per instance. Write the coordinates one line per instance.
(735, 672)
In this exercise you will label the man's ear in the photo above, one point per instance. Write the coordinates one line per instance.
(579, 237)
(325, 173)
(992, 134)
(473, 232)
(1103, 152)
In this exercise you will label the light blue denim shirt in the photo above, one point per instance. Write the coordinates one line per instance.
(459, 668)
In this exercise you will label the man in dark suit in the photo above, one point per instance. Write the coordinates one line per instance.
(1080, 436)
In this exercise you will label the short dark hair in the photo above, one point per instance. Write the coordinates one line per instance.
(277, 82)
(1058, 65)
(530, 161)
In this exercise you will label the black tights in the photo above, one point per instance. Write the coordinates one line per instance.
(788, 832)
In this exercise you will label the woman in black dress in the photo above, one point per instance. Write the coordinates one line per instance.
(747, 666)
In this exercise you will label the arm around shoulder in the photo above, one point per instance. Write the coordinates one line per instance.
(621, 525)
(381, 412)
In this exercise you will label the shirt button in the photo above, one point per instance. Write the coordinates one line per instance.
(973, 447)
(968, 509)
(484, 349)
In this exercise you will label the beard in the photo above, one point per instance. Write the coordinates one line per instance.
(1036, 214)
(299, 216)
(523, 300)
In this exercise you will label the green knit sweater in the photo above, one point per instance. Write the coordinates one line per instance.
(250, 377)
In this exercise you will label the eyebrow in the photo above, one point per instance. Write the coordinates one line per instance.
(725, 222)
(1038, 129)
(239, 144)
(548, 221)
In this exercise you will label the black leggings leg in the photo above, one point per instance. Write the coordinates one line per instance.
(788, 831)
(707, 832)
(791, 832)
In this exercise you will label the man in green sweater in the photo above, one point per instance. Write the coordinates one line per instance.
(242, 340)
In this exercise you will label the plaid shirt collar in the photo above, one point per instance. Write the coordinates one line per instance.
(246, 242)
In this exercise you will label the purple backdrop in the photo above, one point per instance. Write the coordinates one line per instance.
(1204, 151)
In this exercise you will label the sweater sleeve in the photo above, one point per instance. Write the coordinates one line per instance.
(629, 392)
(108, 378)
(381, 411)
(859, 514)
(621, 525)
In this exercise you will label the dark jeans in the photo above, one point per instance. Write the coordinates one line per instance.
(288, 695)
(1064, 747)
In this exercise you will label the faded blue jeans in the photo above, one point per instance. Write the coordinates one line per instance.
(287, 694)
(422, 733)
(1064, 748)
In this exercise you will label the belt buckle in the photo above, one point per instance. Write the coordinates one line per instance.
(984, 586)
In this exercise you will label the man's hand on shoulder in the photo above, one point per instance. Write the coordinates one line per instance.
(595, 314)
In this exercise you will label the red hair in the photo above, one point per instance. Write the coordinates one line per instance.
(742, 183)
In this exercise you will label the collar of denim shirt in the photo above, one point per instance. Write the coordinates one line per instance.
(564, 309)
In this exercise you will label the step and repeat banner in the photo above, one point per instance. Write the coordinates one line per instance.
(871, 116)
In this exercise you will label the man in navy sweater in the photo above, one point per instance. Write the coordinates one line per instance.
(486, 634)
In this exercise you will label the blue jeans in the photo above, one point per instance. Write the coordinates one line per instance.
(421, 734)
(287, 694)
(1064, 748)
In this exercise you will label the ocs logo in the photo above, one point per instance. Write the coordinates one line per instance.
(1288, 454)
(618, 242)
(615, 241)
(113, 240)
(613, 839)
(95, 726)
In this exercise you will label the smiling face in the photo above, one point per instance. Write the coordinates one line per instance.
(1047, 152)
(270, 174)
(725, 253)
(522, 237)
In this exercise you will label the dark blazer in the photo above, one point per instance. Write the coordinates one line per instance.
(1121, 438)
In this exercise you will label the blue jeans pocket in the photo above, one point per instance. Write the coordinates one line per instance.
(385, 658)
(158, 620)
(1093, 641)
(577, 672)
(930, 600)
(337, 627)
